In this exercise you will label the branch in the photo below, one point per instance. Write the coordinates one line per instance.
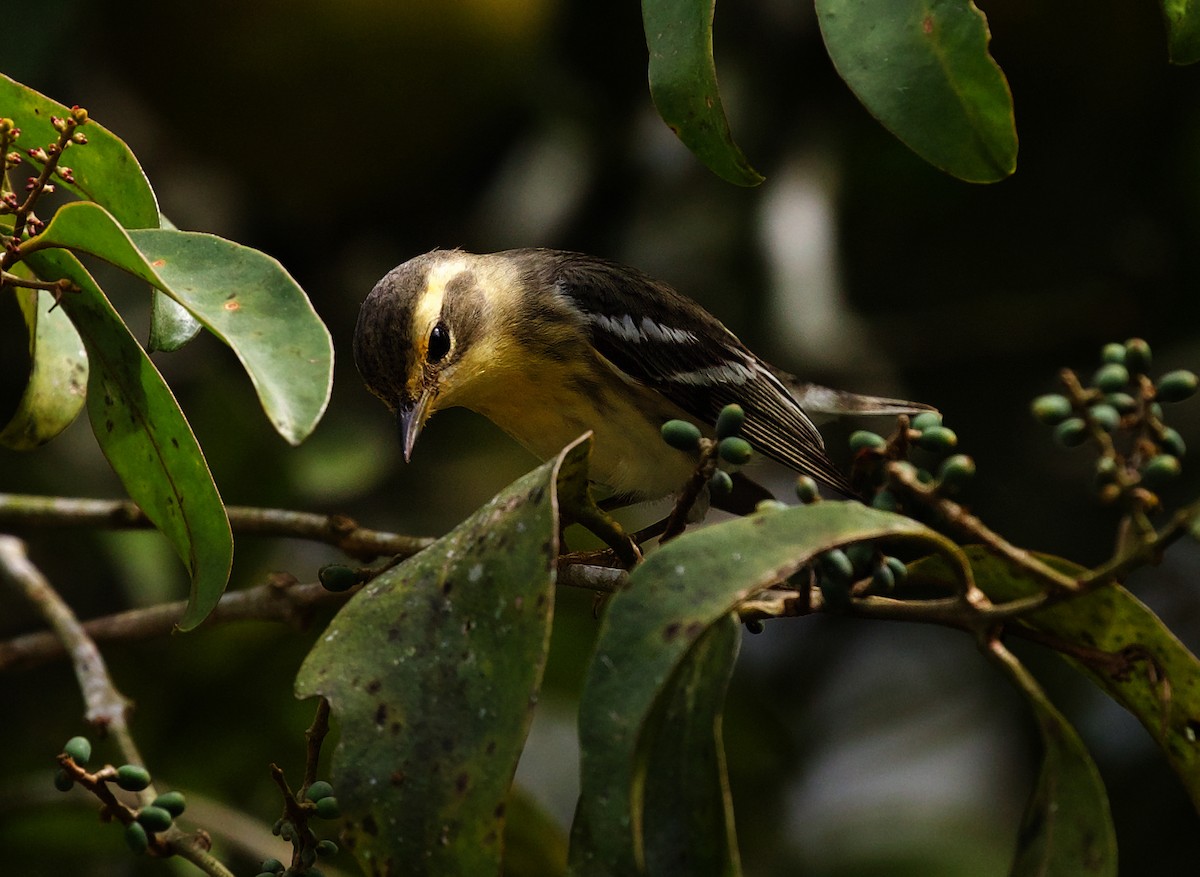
(340, 531)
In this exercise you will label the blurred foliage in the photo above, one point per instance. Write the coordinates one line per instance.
(343, 139)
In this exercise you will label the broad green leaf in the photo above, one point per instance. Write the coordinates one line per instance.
(683, 84)
(922, 68)
(105, 169)
(146, 438)
(678, 593)
(242, 296)
(171, 324)
(1183, 30)
(1120, 644)
(534, 843)
(685, 764)
(1067, 829)
(57, 385)
(432, 671)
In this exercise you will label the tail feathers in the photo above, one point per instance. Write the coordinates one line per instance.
(815, 399)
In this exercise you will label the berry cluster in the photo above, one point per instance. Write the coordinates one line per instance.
(141, 824)
(1121, 415)
(729, 447)
(318, 801)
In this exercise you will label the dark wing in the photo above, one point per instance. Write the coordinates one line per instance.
(657, 337)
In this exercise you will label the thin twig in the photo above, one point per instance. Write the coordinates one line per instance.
(340, 531)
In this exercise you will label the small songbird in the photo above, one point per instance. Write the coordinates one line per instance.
(550, 344)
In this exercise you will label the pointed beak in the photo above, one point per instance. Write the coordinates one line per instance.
(410, 417)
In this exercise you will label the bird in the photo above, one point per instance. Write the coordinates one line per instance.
(550, 344)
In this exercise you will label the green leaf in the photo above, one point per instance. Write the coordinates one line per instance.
(105, 169)
(683, 84)
(432, 670)
(146, 438)
(242, 296)
(922, 68)
(1114, 639)
(171, 324)
(1067, 829)
(685, 763)
(534, 843)
(1183, 30)
(649, 630)
(56, 389)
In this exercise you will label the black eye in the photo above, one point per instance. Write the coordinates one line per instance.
(439, 343)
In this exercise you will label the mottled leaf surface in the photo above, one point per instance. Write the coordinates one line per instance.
(1116, 640)
(432, 671)
(649, 632)
(1066, 830)
(146, 438)
(922, 68)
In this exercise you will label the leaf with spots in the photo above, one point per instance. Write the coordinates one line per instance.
(683, 84)
(1067, 829)
(1119, 643)
(242, 296)
(57, 386)
(146, 438)
(922, 68)
(432, 671)
(643, 715)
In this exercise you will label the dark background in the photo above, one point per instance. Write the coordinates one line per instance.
(346, 138)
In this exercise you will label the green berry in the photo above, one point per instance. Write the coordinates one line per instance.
(1172, 442)
(1161, 469)
(720, 484)
(681, 435)
(277, 828)
(308, 855)
(1051, 409)
(885, 501)
(1111, 377)
(883, 581)
(926, 419)
(730, 421)
(806, 490)
(271, 866)
(287, 831)
(173, 802)
(1137, 356)
(735, 450)
(1177, 385)
(336, 577)
(136, 838)
(1106, 470)
(837, 566)
(80, 750)
(327, 808)
(1106, 416)
(956, 471)
(1113, 352)
(132, 777)
(62, 780)
(318, 790)
(327, 848)
(937, 438)
(896, 565)
(861, 554)
(1123, 402)
(865, 440)
(154, 818)
(1071, 433)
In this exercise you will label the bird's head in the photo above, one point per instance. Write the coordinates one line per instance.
(419, 335)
